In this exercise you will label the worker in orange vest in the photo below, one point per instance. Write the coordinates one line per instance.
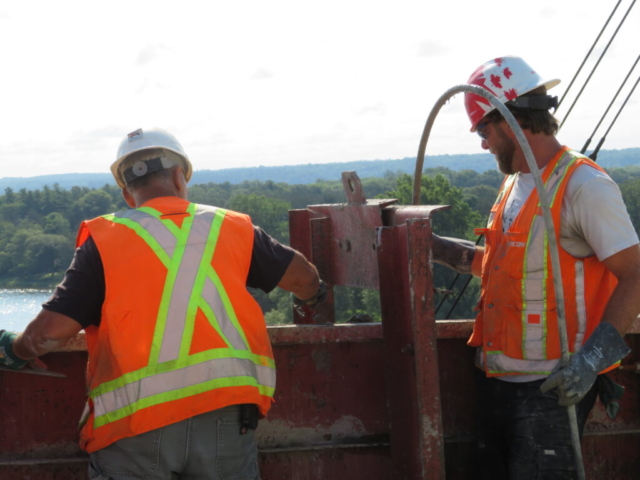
(524, 430)
(180, 364)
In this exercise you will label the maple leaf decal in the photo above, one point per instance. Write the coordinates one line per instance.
(499, 61)
(496, 81)
(507, 73)
(511, 94)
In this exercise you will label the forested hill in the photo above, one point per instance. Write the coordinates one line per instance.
(306, 173)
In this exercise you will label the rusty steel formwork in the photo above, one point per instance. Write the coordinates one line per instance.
(389, 400)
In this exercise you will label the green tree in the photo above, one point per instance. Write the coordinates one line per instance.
(56, 224)
(631, 195)
(459, 222)
(269, 213)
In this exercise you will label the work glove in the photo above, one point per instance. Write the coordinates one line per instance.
(604, 347)
(7, 357)
(610, 394)
(319, 297)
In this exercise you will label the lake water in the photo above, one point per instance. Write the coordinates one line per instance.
(19, 306)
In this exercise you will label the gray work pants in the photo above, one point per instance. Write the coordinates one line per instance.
(204, 447)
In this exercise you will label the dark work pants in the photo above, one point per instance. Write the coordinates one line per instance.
(524, 434)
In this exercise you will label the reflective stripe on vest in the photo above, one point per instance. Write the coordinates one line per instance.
(535, 275)
(191, 284)
(536, 259)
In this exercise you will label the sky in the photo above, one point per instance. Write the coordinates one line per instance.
(279, 82)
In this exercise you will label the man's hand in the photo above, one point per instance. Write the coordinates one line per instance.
(7, 356)
(604, 347)
(455, 253)
(319, 297)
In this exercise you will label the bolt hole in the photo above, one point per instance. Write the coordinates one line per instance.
(347, 246)
(373, 245)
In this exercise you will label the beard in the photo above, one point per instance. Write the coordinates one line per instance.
(504, 152)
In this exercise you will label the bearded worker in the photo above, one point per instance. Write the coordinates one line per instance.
(524, 430)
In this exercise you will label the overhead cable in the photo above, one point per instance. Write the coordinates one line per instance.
(586, 145)
(588, 54)
(594, 154)
(597, 63)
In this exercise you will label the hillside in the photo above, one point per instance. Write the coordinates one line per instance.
(308, 173)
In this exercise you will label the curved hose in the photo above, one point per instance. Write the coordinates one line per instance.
(548, 223)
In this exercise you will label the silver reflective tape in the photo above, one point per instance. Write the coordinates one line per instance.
(581, 305)
(212, 297)
(534, 334)
(183, 286)
(155, 228)
(500, 363)
(189, 376)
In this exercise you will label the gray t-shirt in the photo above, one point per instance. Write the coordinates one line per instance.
(594, 219)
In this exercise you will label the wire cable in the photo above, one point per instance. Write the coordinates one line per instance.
(597, 63)
(594, 154)
(588, 54)
(586, 145)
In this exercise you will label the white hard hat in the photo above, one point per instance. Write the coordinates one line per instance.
(507, 78)
(154, 138)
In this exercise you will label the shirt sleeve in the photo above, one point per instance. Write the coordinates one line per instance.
(80, 295)
(269, 261)
(596, 216)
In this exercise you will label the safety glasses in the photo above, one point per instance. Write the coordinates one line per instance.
(480, 129)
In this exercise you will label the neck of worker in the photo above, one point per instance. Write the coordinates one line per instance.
(544, 148)
(175, 186)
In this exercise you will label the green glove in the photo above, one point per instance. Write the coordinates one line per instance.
(7, 357)
(604, 347)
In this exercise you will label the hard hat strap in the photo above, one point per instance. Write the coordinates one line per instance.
(142, 168)
(534, 102)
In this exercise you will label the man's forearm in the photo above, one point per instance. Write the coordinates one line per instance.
(47, 332)
(623, 306)
(456, 254)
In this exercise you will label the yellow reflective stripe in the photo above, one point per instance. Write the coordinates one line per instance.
(196, 292)
(150, 370)
(170, 224)
(213, 276)
(144, 234)
(172, 395)
(172, 272)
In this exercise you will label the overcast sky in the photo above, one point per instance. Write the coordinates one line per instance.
(247, 83)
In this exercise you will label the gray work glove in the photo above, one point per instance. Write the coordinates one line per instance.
(604, 347)
(319, 297)
(7, 357)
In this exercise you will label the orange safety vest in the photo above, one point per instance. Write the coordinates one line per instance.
(517, 324)
(179, 333)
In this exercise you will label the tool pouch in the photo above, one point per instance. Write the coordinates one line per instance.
(249, 415)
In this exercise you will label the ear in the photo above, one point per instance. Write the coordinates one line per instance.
(128, 198)
(179, 181)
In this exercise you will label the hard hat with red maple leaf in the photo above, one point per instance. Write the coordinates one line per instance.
(507, 78)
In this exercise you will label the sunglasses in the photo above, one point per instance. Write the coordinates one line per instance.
(480, 129)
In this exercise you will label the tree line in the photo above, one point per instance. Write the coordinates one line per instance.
(38, 227)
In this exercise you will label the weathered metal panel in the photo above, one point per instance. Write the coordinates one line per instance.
(425, 340)
(331, 417)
